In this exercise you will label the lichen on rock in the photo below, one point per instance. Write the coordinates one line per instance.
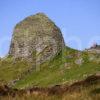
(36, 37)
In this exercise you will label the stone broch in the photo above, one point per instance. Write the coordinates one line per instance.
(36, 38)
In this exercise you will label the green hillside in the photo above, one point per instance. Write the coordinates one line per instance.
(67, 67)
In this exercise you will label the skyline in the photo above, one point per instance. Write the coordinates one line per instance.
(79, 20)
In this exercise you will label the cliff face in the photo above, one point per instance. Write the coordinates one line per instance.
(37, 38)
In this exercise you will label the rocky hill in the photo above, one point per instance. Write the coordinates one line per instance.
(36, 38)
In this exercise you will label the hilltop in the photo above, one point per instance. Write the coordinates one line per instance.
(38, 57)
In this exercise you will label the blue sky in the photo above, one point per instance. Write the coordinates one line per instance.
(79, 20)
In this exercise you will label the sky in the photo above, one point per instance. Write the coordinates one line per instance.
(79, 20)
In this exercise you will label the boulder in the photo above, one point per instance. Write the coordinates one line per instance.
(36, 38)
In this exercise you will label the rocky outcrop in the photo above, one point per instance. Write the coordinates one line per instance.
(36, 38)
(94, 49)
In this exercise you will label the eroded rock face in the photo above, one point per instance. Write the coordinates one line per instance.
(37, 38)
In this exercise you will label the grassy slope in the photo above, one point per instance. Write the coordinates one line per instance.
(61, 70)
(11, 70)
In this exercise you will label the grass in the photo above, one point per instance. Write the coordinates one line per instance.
(50, 77)
(11, 69)
(56, 72)
(91, 92)
(60, 70)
